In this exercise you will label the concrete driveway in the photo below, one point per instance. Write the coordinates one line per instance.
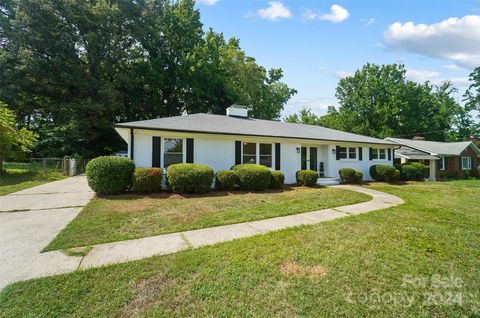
(30, 219)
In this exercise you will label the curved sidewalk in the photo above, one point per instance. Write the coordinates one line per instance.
(123, 251)
(30, 219)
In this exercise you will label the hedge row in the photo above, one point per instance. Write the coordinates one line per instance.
(114, 175)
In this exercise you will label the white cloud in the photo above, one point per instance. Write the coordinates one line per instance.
(275, 10)
(318, 105)
(455, 39)
(343, 74)
(421, 75)
(451, 67)
(309, 15)
(208, 2)
(368, 21)
(337, 14)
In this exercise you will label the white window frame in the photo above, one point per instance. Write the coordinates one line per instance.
(257, 152)
(442, 164)
(348, 153)
(376, 152)
(469, 166)
(162, 150)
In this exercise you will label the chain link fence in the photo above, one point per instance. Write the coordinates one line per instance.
(68, 167)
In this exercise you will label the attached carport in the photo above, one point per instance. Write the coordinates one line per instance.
(406, 154)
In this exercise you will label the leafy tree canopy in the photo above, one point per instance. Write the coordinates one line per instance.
(379, 101)
(14, 142)
(70, 69)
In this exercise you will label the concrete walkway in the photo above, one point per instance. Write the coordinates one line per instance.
(30, 219)
(27, 233)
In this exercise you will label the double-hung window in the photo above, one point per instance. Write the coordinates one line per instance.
(258, 153)
(173, 151)
(441, 163)
(266, 155)
(249, 152)
(348, 153)
(378, 154)
(466, 163)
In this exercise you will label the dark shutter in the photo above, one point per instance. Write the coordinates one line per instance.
(238, 152)
(337, 152)
(445, 163)
(277, 156)
(460, 163)
(360, 153)
(370, 152)
(156, 145)
(132, 142)
(389, 154)
(189, 150)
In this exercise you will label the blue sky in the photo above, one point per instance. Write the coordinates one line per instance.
(318, 42)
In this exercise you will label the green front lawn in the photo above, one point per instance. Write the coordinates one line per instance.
(20, 176)
(464, 183)
(117, 218)
(386, 263)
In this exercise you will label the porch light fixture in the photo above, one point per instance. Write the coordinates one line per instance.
(298, 149)
(334, 151)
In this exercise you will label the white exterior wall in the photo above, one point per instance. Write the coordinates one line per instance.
(363, 165)
(218, 152)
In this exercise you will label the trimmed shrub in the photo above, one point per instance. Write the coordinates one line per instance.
(147, 180)
(110, 175)
(382, 172)
(413, 171)
(398, 175)
(307, 178)
(253, 177)
(278, 179)
(225, 179)
(189, 178)
(349, 175)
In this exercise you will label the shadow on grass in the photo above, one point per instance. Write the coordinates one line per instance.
(168, 194)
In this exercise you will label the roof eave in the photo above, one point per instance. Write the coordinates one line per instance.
(245, 134)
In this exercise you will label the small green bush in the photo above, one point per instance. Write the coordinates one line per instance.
(252, 177)
(307, 178)
(225, 179)
(278, 179)
(398, 175)
(147, 180)
(110, 175)
(349, 175)
(413, 171)
(189, 178)
(382, 172)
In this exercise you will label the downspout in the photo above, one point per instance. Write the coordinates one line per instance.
(132, 143)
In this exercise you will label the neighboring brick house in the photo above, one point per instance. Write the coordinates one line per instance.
(445, 159)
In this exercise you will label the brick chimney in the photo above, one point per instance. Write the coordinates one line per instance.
(472, 138)
(418, 138)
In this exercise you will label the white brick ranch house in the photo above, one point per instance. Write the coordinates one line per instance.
(222, 141)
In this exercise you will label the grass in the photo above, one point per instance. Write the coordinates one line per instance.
(359, 266)
(20, 176)
(464, 183)
(117, 218)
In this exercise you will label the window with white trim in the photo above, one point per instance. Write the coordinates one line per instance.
(249, 152)
(173, 151)
(441, 163)
(379, 154)
(266, 155)
(466, 163)
(348, 153)
(258, 153)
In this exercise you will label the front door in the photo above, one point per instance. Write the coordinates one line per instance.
(309, 158)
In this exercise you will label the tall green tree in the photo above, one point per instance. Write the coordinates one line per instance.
(14, 142)
(379, 101)
(71, 69)
(472, 104)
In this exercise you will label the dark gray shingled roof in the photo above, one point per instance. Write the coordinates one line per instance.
(227, 125)
(411, 153)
